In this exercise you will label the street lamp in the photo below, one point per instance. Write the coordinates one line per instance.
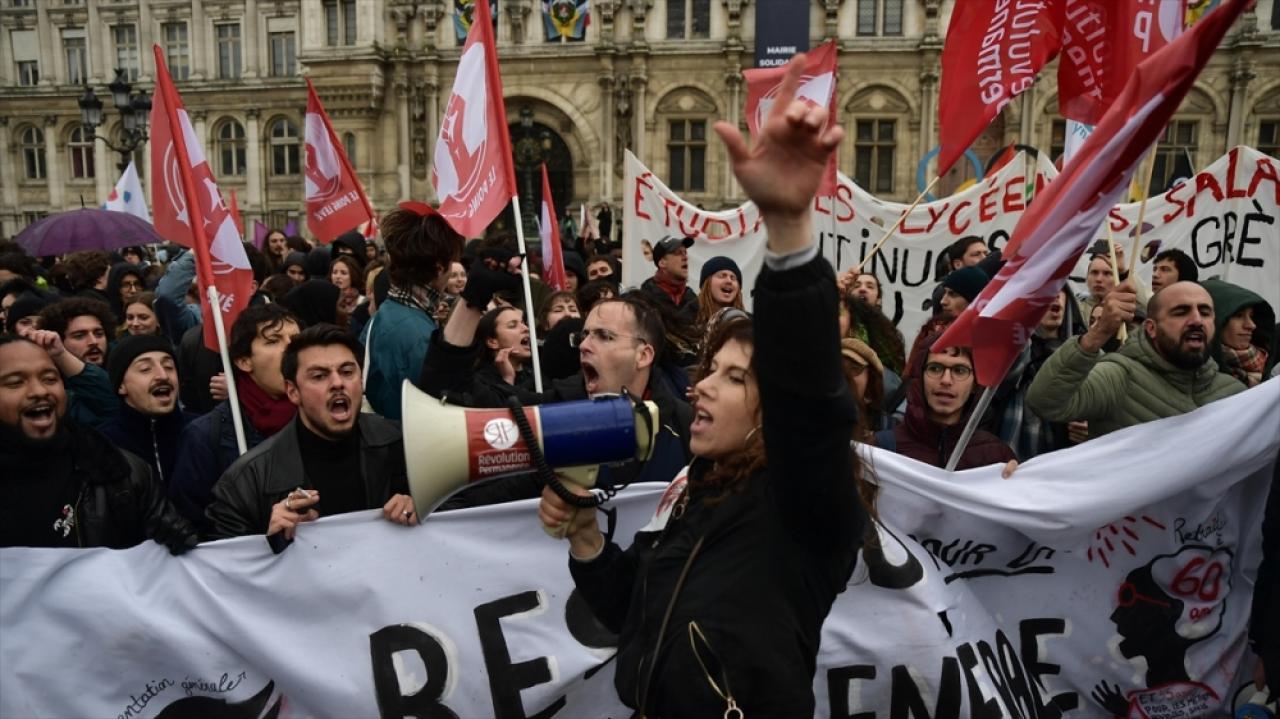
(135, 113)
(531, 150)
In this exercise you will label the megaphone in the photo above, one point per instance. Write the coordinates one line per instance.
(447, 447)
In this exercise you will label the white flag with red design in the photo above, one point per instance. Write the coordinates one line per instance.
(188, 206)
(472, 171)
(335, 201)
(549, 229)
(1050, 237)
(817, 87)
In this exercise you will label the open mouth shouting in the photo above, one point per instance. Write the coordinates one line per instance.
(163, 391)
(341, 409)
(40, 419)
(93, 355)
(1194, 338)
(702, 421)
(590, 377)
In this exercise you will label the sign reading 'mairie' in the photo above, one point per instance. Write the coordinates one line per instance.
(782, 30)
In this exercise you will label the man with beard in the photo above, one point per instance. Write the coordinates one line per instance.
(670, 284)
(65, 485)
(145, 374)
(1164, 372)
(72, 332)
(330, 459)
(82, 323)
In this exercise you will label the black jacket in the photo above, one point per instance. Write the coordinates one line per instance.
(154, 439)
(243, 497)
(206, 449)
(117, 502)
(686, 310)
(774, 553)
(1264, 628)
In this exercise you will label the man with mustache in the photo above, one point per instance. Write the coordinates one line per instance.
(65, 485)
(73, 332)
(1167, 370)
(82, 324)
(144, 373)
(330, 459)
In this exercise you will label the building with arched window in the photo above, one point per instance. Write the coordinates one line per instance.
(649, 76)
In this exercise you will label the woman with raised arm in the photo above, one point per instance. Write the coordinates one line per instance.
(719, 603)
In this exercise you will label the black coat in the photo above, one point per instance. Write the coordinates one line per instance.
(154, 439)
(206, 448)
(243, 497)
(774, 554)
(117, 502)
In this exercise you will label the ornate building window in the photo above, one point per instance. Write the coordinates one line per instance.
(284, 147)
(228, 50)
(349, 145)
(880, 17)
(31, 147)
(340, 22)
(80, 152)
(284, 54)
(688, 19)
(177, 49)
(687, 155)
(230, 148)
(874, 153)
(1175, 154)
(1057, 139)
(75, 50)
(26, 56)
(1269, 137)
(126, 42)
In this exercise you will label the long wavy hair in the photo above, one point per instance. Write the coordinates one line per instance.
(869, 324)
(707, 307)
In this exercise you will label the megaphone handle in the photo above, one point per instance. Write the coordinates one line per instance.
(540, 461)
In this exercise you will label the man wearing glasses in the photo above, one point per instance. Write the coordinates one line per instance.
(941, 396)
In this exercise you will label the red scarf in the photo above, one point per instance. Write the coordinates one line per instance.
(267, 414)
(670, 285)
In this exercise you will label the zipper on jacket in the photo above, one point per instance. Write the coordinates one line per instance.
(155, 450)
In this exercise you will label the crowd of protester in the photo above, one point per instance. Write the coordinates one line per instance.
(116, 422)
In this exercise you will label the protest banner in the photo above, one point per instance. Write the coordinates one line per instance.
(1224, 218)
(1112, 578)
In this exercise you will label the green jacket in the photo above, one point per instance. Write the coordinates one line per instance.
(1127, 387)
(1228, 299)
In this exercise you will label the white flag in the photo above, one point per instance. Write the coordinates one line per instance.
(126, 196)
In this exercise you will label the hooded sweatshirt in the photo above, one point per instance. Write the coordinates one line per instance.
(1228, 299)
(118, 272)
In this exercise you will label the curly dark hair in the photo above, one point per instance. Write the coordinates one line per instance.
(58, 315)
(419, 247)
(881, 335)
(84, 269)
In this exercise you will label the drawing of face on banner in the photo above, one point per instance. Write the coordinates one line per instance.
(1163, 610)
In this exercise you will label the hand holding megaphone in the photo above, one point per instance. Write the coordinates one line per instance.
(565, 521)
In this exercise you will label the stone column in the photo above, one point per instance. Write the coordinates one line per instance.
(255, 150)
(199, 124)
(638, 109)
(1241, 75)
(607, 139)
(97, 36)
(11, 171)
(199, 59)
(53, 166)
(44, 31)
(146, 58)
(251, 22)
(928, 111)
(403, 146)
(732, 80)
(103, 166)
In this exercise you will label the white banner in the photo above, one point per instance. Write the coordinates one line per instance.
(1113, 578)
(1225, 219)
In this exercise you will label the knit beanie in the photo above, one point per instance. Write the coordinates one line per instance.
(129, 349)
(717, 264)
(27, 304)
(966, 282)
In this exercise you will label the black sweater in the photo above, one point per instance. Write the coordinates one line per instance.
(774, 554)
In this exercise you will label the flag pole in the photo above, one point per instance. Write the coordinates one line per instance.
(970, 427)
(1123, 333)
(889, 233)
(529, 316)
(1142, 210)
(232, 395)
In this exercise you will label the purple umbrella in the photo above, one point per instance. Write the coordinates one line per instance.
(86, 229)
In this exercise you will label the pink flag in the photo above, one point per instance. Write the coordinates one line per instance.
(1060, 224)
(549, 228)
(335, 200)
(260, 232)
(993, 52)
(188, 206)
(472, 169)
(817, 87)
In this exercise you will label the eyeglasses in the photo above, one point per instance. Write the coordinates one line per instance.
(131, 285)
(601, 335)
(958, 372)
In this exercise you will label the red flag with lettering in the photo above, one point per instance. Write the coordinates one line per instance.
(1057, 228)
(993, 52)
(188, 206)
(335, 201)
(472, 169)
(817, 87)
(1102, 43)
(549, 228)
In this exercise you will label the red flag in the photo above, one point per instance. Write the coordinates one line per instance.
(549, 228)
(235, 214)
(1102, 42)
(1055, 230)
(335, 201)
(188, 206)
(993, 52)
(472, 170)
(817, 87)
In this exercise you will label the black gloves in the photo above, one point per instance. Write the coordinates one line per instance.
(489, 274)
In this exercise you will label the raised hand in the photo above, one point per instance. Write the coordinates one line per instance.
(781, 173)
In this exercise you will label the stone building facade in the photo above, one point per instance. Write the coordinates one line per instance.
(651, 76)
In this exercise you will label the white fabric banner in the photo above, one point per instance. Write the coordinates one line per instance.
(1224, 218)
(1113, 578)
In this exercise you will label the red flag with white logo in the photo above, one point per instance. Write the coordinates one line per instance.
(472, 170)
(549, 228)
(993, 52)
(335, 201)
(1057, 228)
(1102, 42)
(817, 87)
(188, 206)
